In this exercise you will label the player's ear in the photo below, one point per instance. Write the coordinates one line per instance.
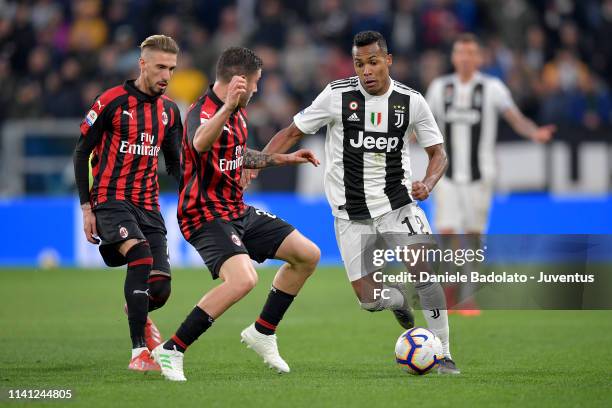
(389, 59)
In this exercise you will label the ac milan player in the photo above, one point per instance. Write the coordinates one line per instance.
(125, 129)
(224, 230)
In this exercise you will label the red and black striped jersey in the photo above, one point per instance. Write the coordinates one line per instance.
(210, 181)
(126, 129)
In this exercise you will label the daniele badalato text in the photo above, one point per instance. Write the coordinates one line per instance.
(418, 257)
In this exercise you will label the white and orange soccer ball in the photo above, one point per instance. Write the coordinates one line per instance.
(417, 351)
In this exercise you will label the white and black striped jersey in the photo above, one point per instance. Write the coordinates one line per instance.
(468, 114)
(367, 166)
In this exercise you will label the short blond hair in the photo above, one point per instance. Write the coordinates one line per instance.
(160, 42)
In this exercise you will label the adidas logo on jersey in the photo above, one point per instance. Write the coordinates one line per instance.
(353, 117)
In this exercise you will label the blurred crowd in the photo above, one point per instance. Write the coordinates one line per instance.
(56, 56)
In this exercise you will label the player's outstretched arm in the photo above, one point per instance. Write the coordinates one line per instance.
(280, 143)
(438, 162)
(284, 139)
(527, 128)
(254, 159)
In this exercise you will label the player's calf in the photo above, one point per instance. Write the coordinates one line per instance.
(159, 291)
(136, 291)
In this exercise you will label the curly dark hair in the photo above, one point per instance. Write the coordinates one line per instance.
(237, 61)
(364, 38)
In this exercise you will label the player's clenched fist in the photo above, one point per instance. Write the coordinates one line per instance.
(235, 90)
(420, 191)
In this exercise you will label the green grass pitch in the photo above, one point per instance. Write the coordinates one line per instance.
(66, 329)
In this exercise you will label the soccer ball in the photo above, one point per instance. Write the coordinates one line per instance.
(417, 351)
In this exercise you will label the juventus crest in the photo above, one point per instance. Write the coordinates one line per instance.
(399, 115)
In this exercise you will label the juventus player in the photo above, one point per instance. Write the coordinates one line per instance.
(466, 105)
(368, 177)
(126, 128)
(225, 231)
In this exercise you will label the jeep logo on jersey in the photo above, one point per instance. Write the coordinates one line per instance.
(375, 144)
(463, 115)
(376, 118)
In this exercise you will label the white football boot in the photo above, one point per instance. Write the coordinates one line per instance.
(170, 362)
(265, 346)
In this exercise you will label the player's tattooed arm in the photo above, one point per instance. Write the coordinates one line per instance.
(254, 159)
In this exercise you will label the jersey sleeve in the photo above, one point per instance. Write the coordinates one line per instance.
(92, 128)
(434, 97)
(171, 146)
(502, 98)
(423, 123)
(317, 115)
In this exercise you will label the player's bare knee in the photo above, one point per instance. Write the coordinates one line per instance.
(308, 258)
(243, 284)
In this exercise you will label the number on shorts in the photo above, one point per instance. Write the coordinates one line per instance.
(407, 222)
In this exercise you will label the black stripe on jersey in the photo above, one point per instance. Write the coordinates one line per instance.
(477, 104)
(344, 83)
(398, 118)
(131, 176)
(150, 174)
(352, 158)
(449, 95)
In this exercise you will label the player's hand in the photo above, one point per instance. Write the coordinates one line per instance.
(420, 191)
(89, 224)
(247, 176)
(236, 88)
(543, 134)
(302, 156)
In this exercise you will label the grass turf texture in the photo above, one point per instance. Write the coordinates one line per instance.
(66, 329)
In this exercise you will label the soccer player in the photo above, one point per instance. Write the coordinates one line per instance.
(467, 104)
(368, 176)
(225, 231)
(126, 128)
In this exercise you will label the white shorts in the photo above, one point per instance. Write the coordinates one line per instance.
(462, 207)
(407, 225)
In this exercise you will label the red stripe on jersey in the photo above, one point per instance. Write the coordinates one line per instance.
(111, 155)
(131, 138)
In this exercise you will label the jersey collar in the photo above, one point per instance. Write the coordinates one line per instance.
(213, 96)
(475, 78)
(370, 96)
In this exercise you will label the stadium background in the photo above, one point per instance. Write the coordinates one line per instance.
(56, 56)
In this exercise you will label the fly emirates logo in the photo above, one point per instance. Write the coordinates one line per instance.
(144, 148)
(227, 165)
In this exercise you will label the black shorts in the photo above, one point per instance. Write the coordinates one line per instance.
(257, 233)
(118, 221)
